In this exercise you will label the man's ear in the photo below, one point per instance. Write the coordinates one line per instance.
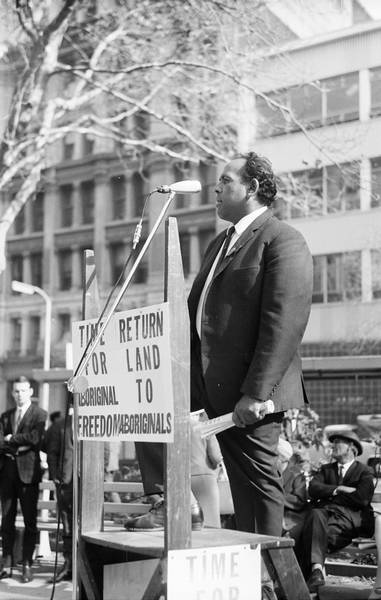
(253, 192)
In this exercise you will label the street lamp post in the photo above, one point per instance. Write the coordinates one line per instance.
(27, 288)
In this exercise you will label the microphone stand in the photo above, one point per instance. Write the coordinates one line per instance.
(83, 364)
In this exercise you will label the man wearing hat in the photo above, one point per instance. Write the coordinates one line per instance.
(341, 493)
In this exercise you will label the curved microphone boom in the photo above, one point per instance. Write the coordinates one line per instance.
(188, 186)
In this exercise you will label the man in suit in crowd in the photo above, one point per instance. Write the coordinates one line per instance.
(249, 307)
(341, 493)
(21, 432)
(60, 462)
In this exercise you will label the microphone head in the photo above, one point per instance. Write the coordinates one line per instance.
(188, 186)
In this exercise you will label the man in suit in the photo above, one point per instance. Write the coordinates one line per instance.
(21, 432)
(60, 461)
(249, 306)
(341, 493)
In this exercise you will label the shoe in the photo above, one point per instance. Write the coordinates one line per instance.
(154, 519)
(268, 592)
(315, 580)
(27, 574)
(4, 573)
(6, 567)
(63, 574)
(197, 517)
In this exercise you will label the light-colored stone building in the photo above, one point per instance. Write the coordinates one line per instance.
(92, 199)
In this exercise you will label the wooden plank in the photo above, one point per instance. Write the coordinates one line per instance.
(284, 569)
(91, 453)
(121, 580)
(86, 576)
(346, 569)
(89, 457)
(123, 486)
(155, 586)
(177, 455)
(151, 543)
(126, 507)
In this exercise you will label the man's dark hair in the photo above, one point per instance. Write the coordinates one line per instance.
(55, 415)
(22, 379)
(259, 168)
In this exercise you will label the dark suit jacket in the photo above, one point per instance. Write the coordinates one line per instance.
(25, 443)
(254, 318)
(60, 450)
(356, 506)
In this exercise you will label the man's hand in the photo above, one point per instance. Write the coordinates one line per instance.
(345, 489)
(8, 437)
(249, 410)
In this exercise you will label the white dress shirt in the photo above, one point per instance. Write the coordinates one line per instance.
(19, 414)
(346, 467)
(240, 227)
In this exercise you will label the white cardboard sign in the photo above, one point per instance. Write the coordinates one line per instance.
(220, 573)
(129, 394)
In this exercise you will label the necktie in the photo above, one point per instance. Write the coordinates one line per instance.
(18, 419)
(341, 473)
(225, 245)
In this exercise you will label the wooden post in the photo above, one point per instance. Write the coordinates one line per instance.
(177, 455)
(90, 455)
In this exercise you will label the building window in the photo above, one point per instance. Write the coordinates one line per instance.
(342, 98)
(303, 193)
(64, 326)
(271, 121)
(118, 192)
(64, 269)
(16, 265)
(141, 273)
(16, 335)
(343, 187)
(306, 104)
(141, 124)
(375, 200)
(375, 91)
(337, 277)
(87, 145)
(19, 224)
(117, 260)
(37, 206)
(320, 191)
(205, 237)
(180, 172)
(208, 178)
(68, 150)
(376, 272)
(137, 183)
(318, 278)
(87, 195)
(36, 268)
(34, 333)
(66, 203)
(333, 100)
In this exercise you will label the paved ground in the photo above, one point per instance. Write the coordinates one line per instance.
(336, 588)
(13, 589)
(344, 589)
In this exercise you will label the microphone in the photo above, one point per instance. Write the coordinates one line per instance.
(188, 186)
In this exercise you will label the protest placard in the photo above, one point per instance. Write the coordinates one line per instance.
(218, 573)
(129, 377)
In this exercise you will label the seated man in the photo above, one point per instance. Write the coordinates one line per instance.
(341, 493)
(294, 486)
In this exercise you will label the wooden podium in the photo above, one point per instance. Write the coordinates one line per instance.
(116, 563)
